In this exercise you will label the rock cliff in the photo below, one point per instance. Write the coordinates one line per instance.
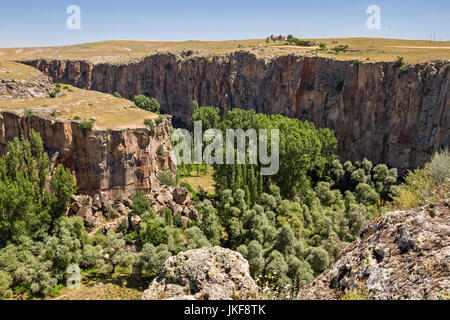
(115, 161)
(401, 255)
(398, 116)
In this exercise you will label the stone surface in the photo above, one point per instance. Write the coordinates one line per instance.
(377, 110)
(401, 255)
(38, 87)
(121, 161)
(181, 196)
(136, 223)
(204, 274)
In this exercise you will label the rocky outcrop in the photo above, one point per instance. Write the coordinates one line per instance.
(105, 213)
(39, 87)
(204, 274)
(388, 114)
(401, 255)
(113, 161)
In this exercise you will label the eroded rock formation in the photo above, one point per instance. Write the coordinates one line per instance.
(379, 111)
(115, 161)
(204, 274)
(104, 212)
(401, 255)
(35, 87)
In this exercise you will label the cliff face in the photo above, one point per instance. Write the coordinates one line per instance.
(377, 110)
(112, 161)
(401, 255)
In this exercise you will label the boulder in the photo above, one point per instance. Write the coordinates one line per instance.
(90, 220)
(128, 202)
(402, 255)
(136, 223)
(204, 274)
(164, 198)
(97, 202)
(181, 196)
(122, 209)
(104, 198)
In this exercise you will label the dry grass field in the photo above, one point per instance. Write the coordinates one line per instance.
(376, 49)
(104, 287)
(114, 113)
(204, 181)
(108, 111)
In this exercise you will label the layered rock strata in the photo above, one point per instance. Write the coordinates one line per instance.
(387, 113)
(114, 161)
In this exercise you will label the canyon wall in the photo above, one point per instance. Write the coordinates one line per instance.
(114, 161)
(379, 111)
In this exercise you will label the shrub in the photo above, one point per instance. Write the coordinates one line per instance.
(399, 62)
(146, 103)
(322, 46)
(161, 153)
(421, 186)
(140, 205)
(354, 294)
(5, 283)
(187, 186)
(87, 126)
(150, 124)
(159, 120)
(76, 118)
(117, 95)
(341, 48)
(28, 113)
(56, 291)
(166, 178)
(440, 167)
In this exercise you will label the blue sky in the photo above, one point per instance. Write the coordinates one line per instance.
(43, 22)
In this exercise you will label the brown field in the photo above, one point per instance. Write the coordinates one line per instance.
(104, 287)
(376, 49)
(205, 181)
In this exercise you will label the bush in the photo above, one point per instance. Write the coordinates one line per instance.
(440, 167)
(354, 294)
(161, 153)
(159, 120)
(28, 113)
(5, 283)
(399, 62)
(87, 126)
(140, 205)
(166, 178)
(146, 103)
(422, 185)
(187, 186)
(150, 124)
(117, 95)
(56, 291)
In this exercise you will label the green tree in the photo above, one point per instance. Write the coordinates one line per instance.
(146, 103)
(151, 259)
(63, 187)
(318, 258)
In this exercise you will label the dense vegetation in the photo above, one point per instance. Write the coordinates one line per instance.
(290, 226)
(146, 103)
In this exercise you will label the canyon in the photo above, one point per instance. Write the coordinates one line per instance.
(398, 115)
(122, 161)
